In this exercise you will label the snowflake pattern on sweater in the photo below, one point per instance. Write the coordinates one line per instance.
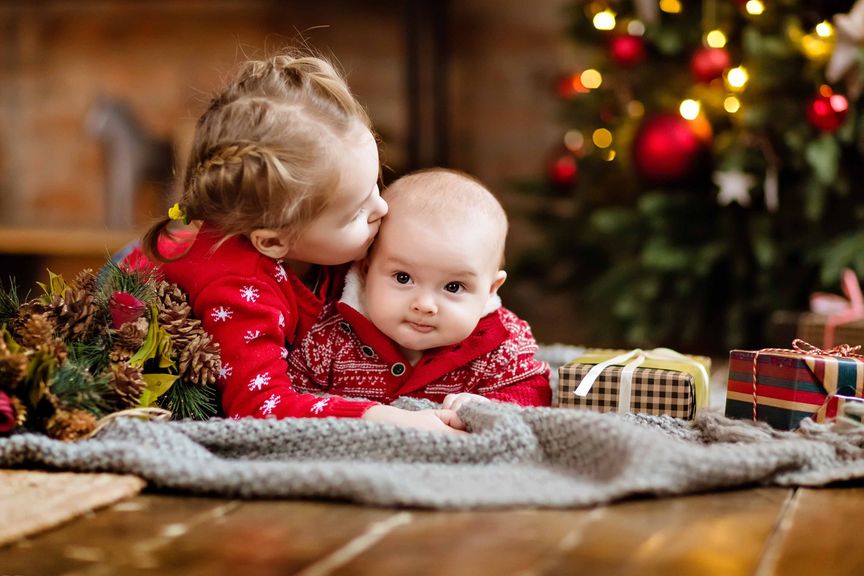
(346, 355)
(255, 310)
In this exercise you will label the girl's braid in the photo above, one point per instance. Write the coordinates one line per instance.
(231, 155)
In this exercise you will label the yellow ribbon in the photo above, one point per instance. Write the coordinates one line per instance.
(659, 358)
(177, 213)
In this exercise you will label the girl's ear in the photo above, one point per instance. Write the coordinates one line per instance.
(500, 277)
(269, 242)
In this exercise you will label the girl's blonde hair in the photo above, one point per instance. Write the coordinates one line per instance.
(264, 152)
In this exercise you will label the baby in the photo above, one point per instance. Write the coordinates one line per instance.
(420, 316)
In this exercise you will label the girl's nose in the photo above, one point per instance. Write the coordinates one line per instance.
(379, 209)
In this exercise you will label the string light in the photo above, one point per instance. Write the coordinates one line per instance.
(755, 7)
(737, 78)
(824, 29)
(604, 20)
(689, 109)
(609, 155)
(591, 79)
(715, 39)
(731, 104)
(635, 28)
(670, 6)
(635, 109)
(602, 138)
(574, 141)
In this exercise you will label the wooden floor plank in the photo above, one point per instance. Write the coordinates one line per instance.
(268, 538)
(193, 536)
(121, 535)
(711, 534)
(822, 535)
(707, 534)
(452, 543)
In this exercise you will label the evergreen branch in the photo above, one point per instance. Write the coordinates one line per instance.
(9, 301)
(186, 401)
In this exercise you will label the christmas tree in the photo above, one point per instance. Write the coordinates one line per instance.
(710, 167)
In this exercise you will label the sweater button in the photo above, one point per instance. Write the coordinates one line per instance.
(367, 351)
(397, 369)
(345, 326)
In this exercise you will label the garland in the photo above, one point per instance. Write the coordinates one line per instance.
(101, 344)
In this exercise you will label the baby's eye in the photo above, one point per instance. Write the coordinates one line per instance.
(402, 277)
(454, 287)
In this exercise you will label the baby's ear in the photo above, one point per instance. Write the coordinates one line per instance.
(500, 277)
(269, 242)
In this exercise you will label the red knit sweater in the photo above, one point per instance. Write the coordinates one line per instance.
(255, 309)
(345, 354)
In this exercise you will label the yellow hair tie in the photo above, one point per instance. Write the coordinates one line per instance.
(177, 213)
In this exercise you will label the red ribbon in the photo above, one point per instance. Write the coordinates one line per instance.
(806, 349)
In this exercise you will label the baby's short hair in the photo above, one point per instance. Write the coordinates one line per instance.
(450, 194)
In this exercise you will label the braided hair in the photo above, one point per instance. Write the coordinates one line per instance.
(265, 150)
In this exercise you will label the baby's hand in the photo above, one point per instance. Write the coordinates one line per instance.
(456, 401)
(433, 420)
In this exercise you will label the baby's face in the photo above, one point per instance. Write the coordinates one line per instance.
(429, 282)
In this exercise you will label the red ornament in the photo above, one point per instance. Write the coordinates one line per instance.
(8, 420)
(708, 64)
(667, 150)
(627, 50)
(827, 110)
(564, 170)
(125, 307)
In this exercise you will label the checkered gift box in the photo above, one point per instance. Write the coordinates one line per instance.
(667, 384)
(654, 391)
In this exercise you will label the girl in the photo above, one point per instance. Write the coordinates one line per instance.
(282, 181)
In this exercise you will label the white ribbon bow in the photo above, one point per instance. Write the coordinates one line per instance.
(632, 360)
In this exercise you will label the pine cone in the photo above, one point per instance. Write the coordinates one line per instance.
(29, 309)
(69, 425)
(20, 410)
(80, 312)
(199, 360)
(13, 367)
(86, 280)
(119, 355)
(38, 333)
(127, 384)
(132, 334)
(174, 304)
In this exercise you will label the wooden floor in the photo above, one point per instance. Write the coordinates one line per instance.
(758, 531)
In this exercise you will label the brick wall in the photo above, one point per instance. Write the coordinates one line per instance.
(164, 57)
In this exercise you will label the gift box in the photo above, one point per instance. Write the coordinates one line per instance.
(832, 317)
(659, 381)
(786, 386)
(812, 328)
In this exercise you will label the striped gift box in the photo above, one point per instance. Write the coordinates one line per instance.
(789, 386)
(655, 391)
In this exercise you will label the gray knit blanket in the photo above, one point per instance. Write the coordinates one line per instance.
(544, 457)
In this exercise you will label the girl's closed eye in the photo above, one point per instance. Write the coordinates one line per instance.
(359, 214)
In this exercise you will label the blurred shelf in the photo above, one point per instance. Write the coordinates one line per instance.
(64, 241)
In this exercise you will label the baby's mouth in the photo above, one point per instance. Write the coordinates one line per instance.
(423, 328)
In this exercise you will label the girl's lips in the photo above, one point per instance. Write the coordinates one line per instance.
(423, 328)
